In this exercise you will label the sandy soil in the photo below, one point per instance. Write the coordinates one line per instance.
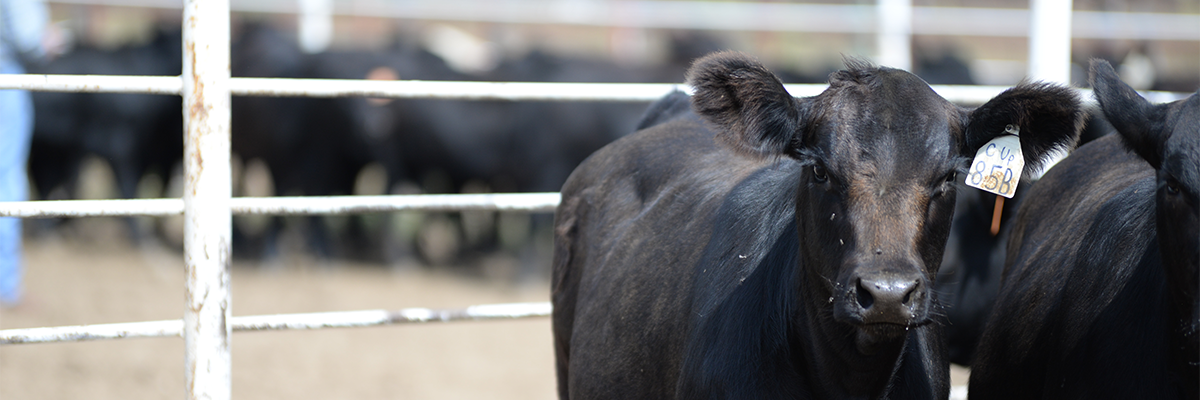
(74, 283)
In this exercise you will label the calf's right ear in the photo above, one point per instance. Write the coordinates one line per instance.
(746, 103)
(1134, 118)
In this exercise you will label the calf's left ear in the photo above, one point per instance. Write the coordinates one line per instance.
(746, 103)
(1049, 118)
(1135, 119)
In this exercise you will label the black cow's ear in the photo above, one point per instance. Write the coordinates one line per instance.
(1049, 118)
(746, 102)
(1138, 121)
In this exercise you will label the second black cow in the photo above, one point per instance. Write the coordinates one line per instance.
(766, 246)
(1100, 292)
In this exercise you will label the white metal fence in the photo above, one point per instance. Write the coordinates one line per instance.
(207, 205)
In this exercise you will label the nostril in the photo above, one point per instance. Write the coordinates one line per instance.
(908, 295)
(865, 299)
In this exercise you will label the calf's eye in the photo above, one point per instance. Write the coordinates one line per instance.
(1172, 187)
(947, 184)
(819, 174)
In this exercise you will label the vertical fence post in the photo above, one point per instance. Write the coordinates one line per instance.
(315, 24)
(1050, 40)
(893, 34)
(206, 198)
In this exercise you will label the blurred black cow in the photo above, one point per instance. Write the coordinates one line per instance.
(272, 130)
(523, 146)
(134, 133)
(317, 146)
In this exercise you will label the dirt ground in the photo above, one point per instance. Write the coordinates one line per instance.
(71, 282)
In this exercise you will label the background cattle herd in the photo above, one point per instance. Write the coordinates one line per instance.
(340, 146)
(334, 146)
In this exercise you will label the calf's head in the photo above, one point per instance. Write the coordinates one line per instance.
(880, 152)
(1167, 136)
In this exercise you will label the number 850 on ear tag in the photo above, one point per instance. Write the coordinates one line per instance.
(998, 164)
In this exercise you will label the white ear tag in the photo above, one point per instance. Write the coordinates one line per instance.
(998, 164)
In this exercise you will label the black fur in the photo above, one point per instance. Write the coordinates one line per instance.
(1099, 297)
(754, 249)
(742, 320)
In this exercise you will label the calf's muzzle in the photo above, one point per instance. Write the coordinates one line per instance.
(893, 296)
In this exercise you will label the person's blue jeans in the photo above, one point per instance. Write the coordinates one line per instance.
(16, 130)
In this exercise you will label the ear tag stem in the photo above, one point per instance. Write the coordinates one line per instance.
(998, 164)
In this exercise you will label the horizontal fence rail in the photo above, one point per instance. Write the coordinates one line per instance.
(284, 87)
(526, 91)
(356, 87)
(304, 205)
(728, 16)
(335, 319)
(514, 91)
(94, 83)
(309, 205)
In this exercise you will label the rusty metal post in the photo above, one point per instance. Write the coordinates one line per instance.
(207, 191)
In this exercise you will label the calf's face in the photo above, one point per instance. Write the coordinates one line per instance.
(881, 152)
(1167, 136)
(879, 195)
